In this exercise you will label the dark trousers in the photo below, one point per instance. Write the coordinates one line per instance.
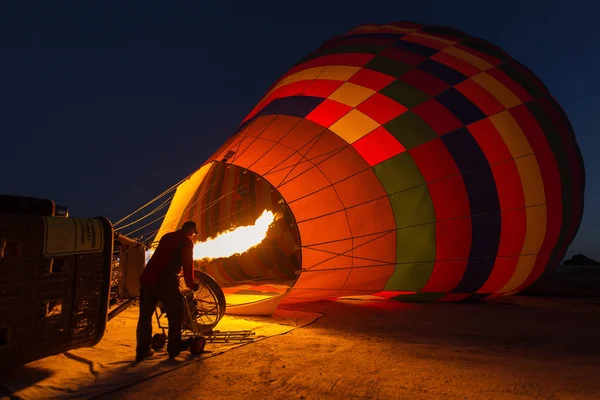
(168, 293)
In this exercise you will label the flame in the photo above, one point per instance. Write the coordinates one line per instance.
(232, 242)
(235, 241)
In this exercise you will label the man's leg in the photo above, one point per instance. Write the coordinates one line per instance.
(148, 302)
(173, 302)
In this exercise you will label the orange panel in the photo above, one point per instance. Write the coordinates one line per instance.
(323, 202)
(250, 154)
(328, 144)
(273, 157)
(303, 295)
(302, 135)
(318, 260)
(276, 129)
(372, 279)
(360, 189)
(309, 182)
(331, 279)
(344, 164)
(378, 247)
(372, 217)
(325, 229)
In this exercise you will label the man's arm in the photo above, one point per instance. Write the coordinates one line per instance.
(187, 259)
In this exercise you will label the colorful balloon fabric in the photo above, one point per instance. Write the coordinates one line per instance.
(411, 162)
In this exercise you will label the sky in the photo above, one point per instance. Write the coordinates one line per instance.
(106, 104)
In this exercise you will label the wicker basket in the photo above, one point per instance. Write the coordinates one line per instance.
(54, 290)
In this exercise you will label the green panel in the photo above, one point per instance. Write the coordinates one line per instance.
(410, 130)
(410, 277)
(415, 244)
(404, 94)
(420, 297)
(399, 173)
(388, 66)
(412, 207)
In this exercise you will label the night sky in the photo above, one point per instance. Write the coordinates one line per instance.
(106, 105)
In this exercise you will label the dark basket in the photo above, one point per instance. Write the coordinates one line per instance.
(50, 303)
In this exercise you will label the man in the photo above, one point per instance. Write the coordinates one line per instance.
(160, 282)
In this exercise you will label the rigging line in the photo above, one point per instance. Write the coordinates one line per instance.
(148, 224)
(275, 143)
(237, 155)
(153, 200)
(160, 207)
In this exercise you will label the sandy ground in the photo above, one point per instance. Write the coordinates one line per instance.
(515, 348)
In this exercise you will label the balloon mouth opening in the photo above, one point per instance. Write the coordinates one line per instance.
(234, 197)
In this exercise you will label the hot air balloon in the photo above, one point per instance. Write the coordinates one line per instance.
(401, 160)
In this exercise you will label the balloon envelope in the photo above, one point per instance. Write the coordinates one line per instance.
(406, 161)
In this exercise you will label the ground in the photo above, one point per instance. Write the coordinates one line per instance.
(515, 348)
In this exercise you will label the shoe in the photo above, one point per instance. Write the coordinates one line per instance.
(142, 356)
(186, 344)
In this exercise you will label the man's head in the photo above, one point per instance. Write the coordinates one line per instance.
(189, 228)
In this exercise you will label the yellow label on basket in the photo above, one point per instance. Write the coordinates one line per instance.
(72, 236)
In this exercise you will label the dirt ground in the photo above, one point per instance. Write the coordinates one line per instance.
(515, 348)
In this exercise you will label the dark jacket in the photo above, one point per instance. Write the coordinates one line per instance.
(175, 250)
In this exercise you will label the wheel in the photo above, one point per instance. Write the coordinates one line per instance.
(198, 346)
(209, 302)
(158, 341)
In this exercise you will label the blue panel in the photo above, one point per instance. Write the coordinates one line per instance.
(449, 75)
(295, 106)
(415, 48)
(460, 106)
(465, 150)
(485, 208)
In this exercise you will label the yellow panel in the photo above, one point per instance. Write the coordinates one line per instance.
(437, 39)
(497, 89)
(351, 94)
(536, 229)
(524, 268)
(531, 177)
(338, 72)
(468, 57)
(307, 74)
(353, 126)
(512, 135)
(180, 201)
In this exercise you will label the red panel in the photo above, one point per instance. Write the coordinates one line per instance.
(426, 41)
(456, 63)
(490, 141)
(452, 238)
(371, 79)
(438, 117)
(445, 276)
(424, 82)
(402, 56)
(359, 40)
(513, 230)
(530, 127)
(480, 97)
(378, 146)
(514, 87)
(328, 112)
(322, 87)
(292, 89)
(381, 108)
(503, 270)
(455, 202)
(408, 25)
(508, 185)
(490, 59)
(434, 160)
(350, 59)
